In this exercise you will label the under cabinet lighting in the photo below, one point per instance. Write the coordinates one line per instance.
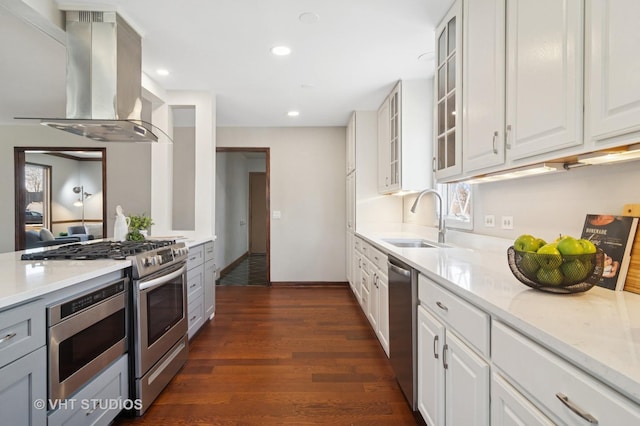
(631, 152)
(293, 113)
(534, 169)
(281, 50)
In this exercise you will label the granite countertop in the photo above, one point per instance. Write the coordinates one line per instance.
(598, 330)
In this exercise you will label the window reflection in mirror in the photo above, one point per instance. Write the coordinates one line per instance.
(59, 188)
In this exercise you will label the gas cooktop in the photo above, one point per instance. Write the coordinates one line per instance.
(98, 250)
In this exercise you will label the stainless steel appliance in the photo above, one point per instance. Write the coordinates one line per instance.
(85, 335)
(160, 320)
(158, 327)
(403, 305)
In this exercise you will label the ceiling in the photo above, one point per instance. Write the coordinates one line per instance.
(349, 59)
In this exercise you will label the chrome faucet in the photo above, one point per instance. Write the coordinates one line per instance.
(441, 228)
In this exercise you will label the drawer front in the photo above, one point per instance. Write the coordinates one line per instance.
(195, 281)
(379, 259)
(22, 330)
(357, 244)
(99, 402)
(208, 251)
(470, 323)
(196, 256)
(546, 378)
(195, 309)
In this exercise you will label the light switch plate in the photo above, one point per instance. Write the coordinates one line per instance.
(277, 214)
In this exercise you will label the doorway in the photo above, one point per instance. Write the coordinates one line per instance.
(242, 216)
(57, 188)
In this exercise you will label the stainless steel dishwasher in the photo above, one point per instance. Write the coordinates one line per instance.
(403, 304)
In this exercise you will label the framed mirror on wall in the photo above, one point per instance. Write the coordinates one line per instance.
(60, 195)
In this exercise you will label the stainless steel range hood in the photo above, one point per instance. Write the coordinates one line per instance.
(104, 73)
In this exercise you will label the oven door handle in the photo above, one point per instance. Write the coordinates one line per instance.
(156, 282)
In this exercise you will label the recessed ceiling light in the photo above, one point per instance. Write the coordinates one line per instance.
(162, 72)
(309, 17)
(280, 50)
(293, 113)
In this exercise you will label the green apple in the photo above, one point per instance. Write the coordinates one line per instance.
(550, 276)
(569, 246)
(526, 242)
(575, 271)
(588, 249)
(587, 246)
(549, 257)
(540, 242)
(529, 265)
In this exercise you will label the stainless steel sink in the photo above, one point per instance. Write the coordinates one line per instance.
(412, 242)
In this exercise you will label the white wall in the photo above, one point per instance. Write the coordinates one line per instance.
(308, 187)
(232, 207)
(128, 172)
(547, 205)
(162, 159)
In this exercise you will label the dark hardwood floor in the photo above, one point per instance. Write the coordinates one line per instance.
(283, 355)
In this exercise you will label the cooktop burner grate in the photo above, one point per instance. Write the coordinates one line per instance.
(98, 250)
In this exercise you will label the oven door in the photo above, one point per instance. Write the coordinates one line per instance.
(82, 345)
(161, 315)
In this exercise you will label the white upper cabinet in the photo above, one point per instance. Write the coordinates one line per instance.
(405, 137)
(483, 84)
(447, 148)
(613, 72)
(384, 151)
(544, 76)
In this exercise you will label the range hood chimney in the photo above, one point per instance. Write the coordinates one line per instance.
(104, 73)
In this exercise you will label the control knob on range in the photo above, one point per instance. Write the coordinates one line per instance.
(150, 261)
(180, 251)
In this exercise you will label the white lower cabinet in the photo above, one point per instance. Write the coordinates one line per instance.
(371, 287)
(23, 384)
(465, 379)
(510, 407)
(561, 391)
(201, 286)
(453, 381)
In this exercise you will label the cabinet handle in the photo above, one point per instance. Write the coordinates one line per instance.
(435, 347)
(508, 136)
(193, 285)
(442, 306)
(495, 137)
(193, 317)
(444, 356)
(90, 412)
(573, 407)
(433, 164)
(359, 263)
(8, 337)
(386, 181)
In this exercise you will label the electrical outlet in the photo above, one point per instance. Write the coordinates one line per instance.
(489, 221)
(507, 222)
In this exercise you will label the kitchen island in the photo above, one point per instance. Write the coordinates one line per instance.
(597, 331)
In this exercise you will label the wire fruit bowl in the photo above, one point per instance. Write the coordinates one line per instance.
(556, 273)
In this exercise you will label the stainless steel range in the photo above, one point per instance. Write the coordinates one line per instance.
(158, 329)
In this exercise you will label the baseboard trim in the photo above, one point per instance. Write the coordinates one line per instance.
(232, 265)
(309, 284)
